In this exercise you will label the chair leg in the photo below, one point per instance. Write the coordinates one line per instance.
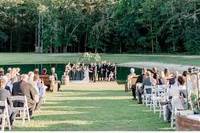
(146, 100)
(161, 109)
(8, 120)
(27, 113)
(164, 113)
(3, 123)
(24, 116)
(154, 107)
(172, 119)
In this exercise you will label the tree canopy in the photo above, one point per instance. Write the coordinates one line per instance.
(111, 26)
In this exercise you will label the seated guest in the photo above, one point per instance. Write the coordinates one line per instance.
(149, 81)
(1, 72)
(24, 88)
(9, 70)
(9, 84)
(31, 81)
(42, 90)
(5, 95)
(14, 76)
(81, 73)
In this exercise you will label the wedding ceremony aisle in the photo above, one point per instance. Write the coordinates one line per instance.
(93, 106)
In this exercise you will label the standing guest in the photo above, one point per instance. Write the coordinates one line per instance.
(99, 71)
(94, 71)
(36, 71)
(102, 72)
(44, 71)
(5, 96)
(81, 73)
(177, 93)
(78, 73)
(163, 80)
(86, 74)
(23, 88)
(91, 72)
(108, 69)
(140, 79)
(54, 74)
(113, 70)
(65, 78)
(130, 83)
(73, 73)
(111, 76)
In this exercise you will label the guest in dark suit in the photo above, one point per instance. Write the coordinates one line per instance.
(24, 88)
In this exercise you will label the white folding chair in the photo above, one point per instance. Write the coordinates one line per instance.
(148, 95)
(177, 109)
(4, 116)
(158, 97)
(23, 111)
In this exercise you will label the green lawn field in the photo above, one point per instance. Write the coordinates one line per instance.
(93, 107)
(31, 58)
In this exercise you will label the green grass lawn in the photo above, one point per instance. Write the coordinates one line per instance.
(93, 107)
(31, 58)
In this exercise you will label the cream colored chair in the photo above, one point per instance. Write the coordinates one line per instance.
(23, 111)
(4, 116)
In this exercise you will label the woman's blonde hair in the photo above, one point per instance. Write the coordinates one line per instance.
(2, 83)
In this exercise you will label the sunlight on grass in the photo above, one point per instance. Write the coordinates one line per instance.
(40, 123)
(53, 112)
(93, 98)
(68, 107)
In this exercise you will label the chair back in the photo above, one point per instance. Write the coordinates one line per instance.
(18, 99)
(148, 89)
(4, 115)
(2, 103)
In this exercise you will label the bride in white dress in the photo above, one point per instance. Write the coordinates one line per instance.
(86, 75)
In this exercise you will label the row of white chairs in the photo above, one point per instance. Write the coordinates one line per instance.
(155, 96)
(23, 111)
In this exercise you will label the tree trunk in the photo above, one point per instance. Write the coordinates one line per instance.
(11, 36)
(120, 49)
(152, 45)
(85, 42)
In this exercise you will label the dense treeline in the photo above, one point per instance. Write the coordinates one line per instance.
(112, 26)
